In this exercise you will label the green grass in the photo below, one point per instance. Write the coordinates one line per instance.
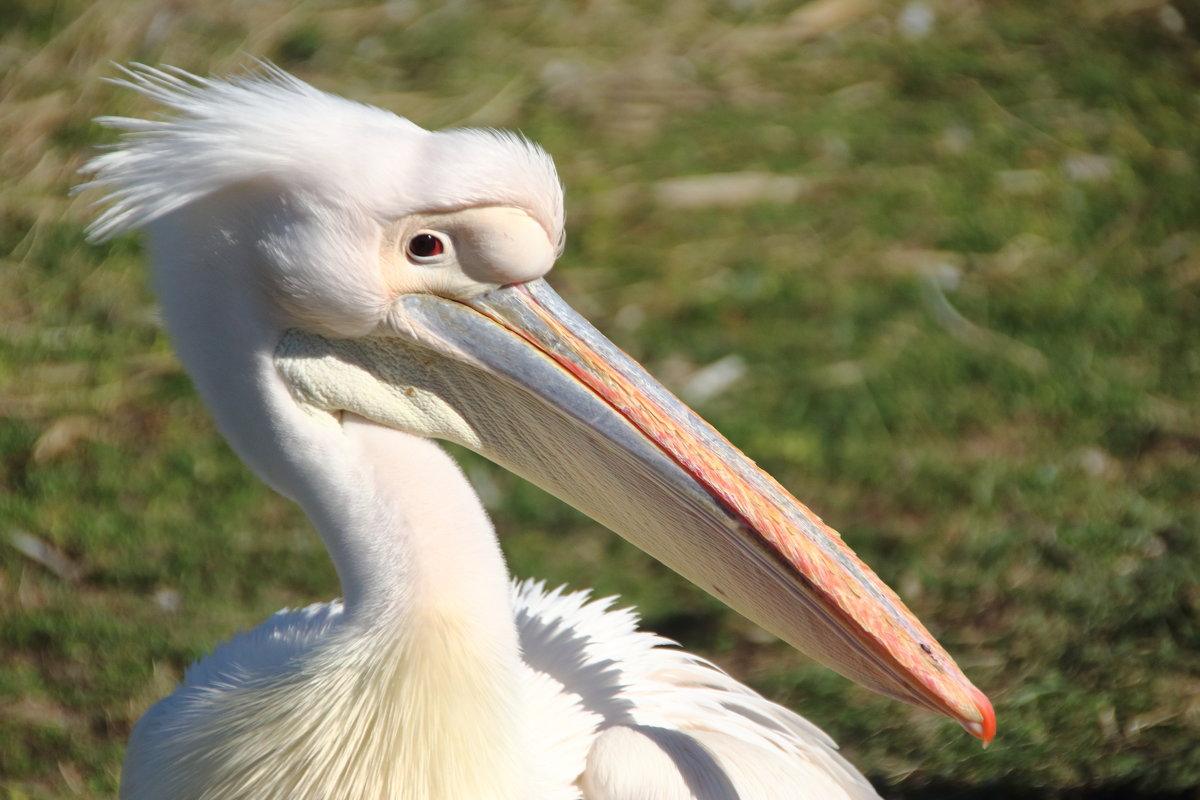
(972, 343)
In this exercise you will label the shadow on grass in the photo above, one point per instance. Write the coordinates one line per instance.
(1002, 790)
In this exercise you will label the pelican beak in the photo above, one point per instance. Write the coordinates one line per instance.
(519, 377)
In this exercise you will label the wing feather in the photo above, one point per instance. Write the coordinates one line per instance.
(669, 724)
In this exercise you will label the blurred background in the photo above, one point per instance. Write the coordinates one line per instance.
(934, 264)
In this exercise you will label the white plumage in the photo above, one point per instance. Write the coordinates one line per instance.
(592, 683)
(342, 284)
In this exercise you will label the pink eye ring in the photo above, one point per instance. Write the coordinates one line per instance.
(425, 245)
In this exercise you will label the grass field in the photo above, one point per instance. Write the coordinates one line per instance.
(947, 254)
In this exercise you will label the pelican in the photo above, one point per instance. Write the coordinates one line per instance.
(344, 287)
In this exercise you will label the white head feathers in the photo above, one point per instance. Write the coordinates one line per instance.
(272, 125)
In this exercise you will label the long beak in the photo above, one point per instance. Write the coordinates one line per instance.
(519, 377)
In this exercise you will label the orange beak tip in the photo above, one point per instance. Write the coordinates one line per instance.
(983, 728)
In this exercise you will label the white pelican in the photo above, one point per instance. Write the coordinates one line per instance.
(343, 286)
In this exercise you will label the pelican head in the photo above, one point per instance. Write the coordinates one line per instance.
(321, 262)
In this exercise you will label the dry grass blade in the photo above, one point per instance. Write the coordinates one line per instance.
(45, 554)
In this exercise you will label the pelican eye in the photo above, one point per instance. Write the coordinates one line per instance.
(425, 245)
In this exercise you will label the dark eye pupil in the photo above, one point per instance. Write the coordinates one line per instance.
(424, 245)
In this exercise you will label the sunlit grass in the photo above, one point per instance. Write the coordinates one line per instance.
(968, 325)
